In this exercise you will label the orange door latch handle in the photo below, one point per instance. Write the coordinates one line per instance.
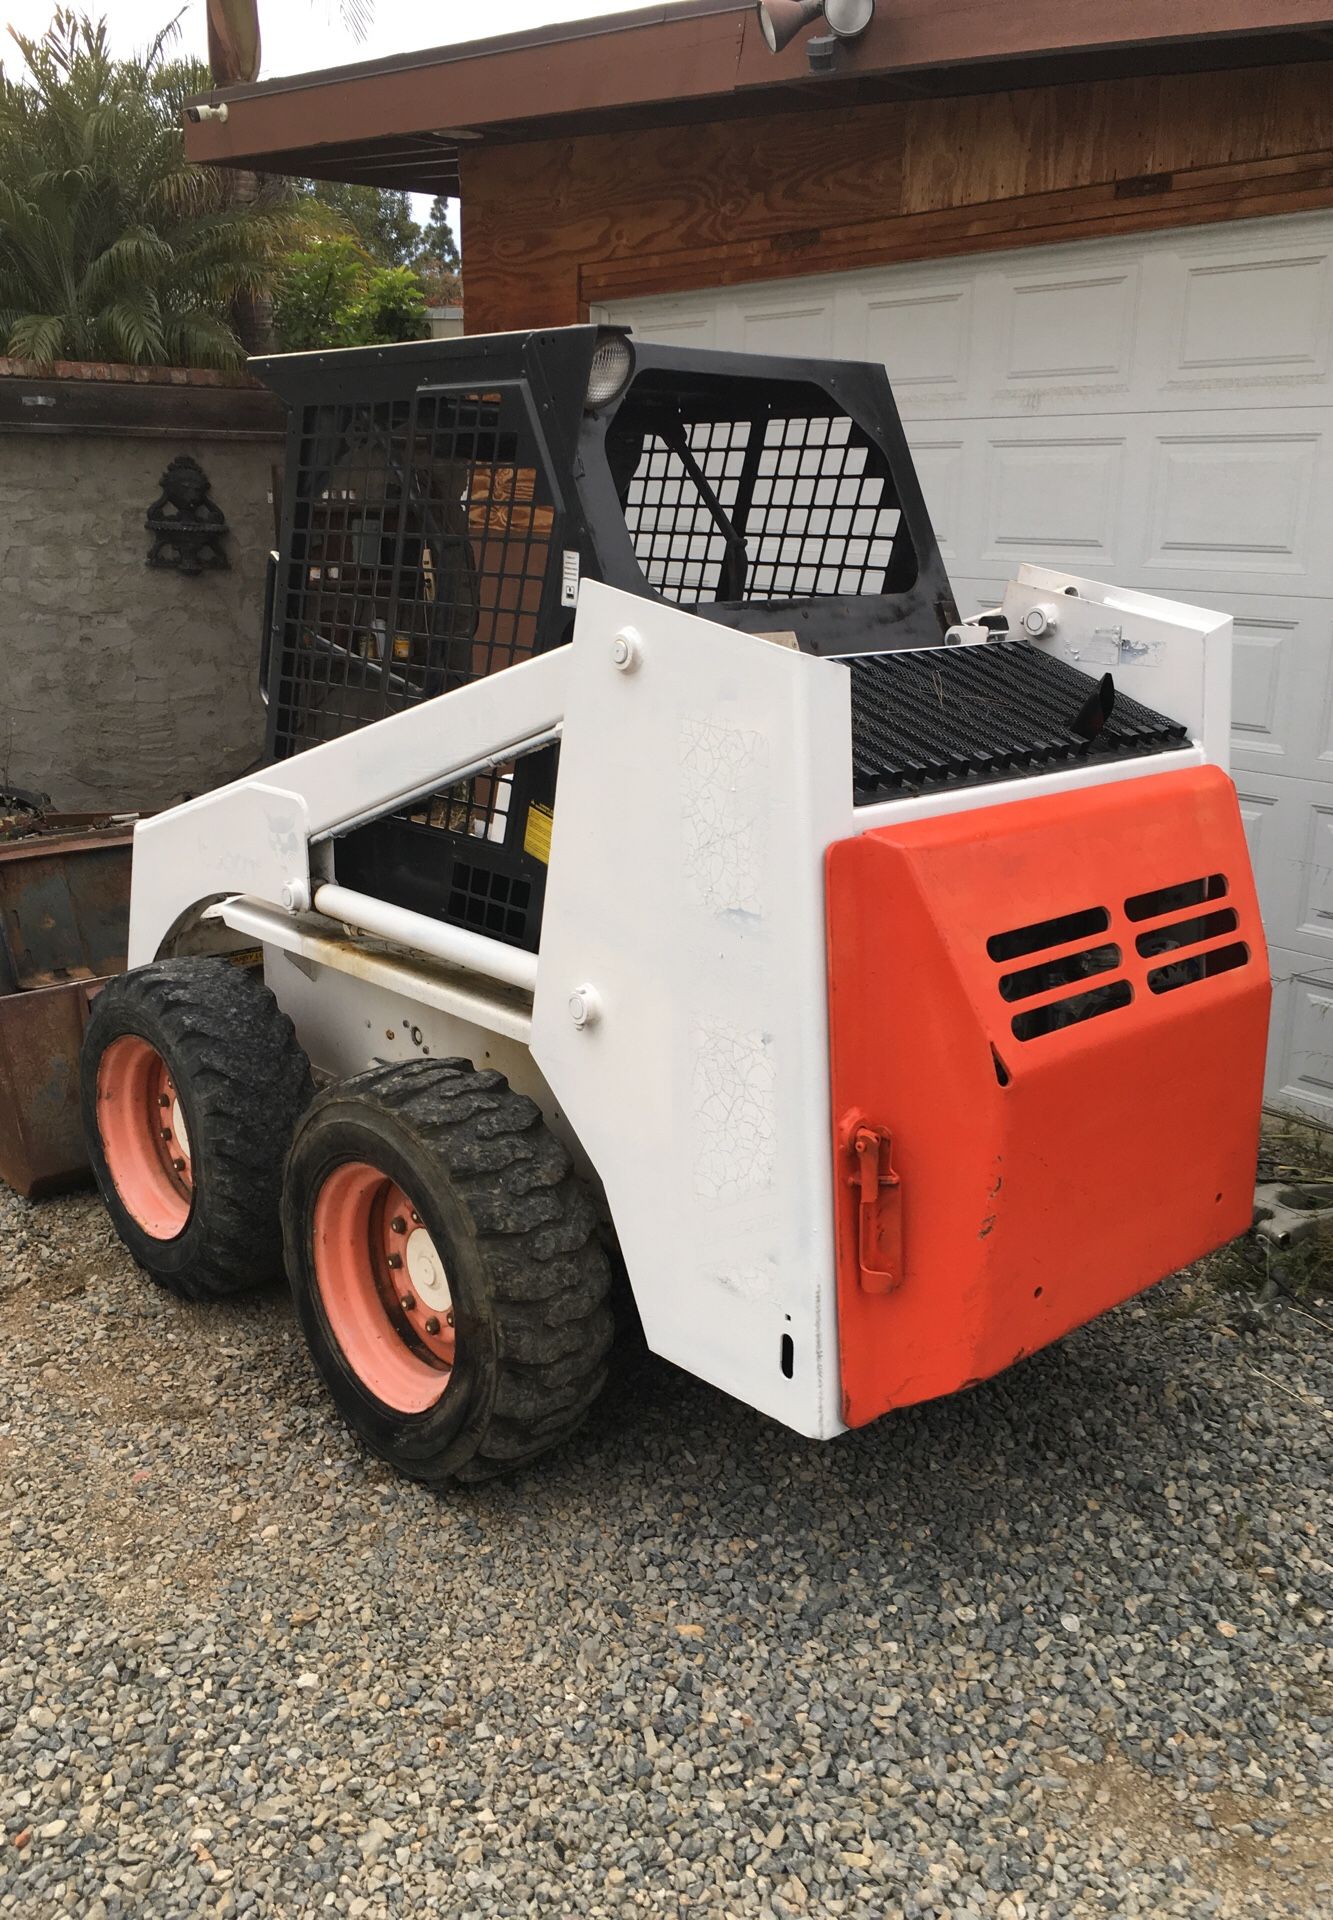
(880, 1209)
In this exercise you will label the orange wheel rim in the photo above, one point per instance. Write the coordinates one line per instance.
(384, 1288)
(145, 1141)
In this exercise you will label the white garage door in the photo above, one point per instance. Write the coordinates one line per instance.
(1154, 412)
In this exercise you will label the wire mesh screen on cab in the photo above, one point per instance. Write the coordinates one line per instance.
(421, 532)
(737, 496)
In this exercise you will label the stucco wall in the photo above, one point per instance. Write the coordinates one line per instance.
(121, 686)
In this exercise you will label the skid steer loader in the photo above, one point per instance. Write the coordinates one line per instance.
(649, 868)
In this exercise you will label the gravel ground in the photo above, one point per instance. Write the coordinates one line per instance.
(1060, 1647)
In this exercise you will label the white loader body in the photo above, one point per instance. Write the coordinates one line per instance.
(673, 1025)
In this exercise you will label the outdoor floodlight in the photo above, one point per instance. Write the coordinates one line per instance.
(782, 20)
(849, 18)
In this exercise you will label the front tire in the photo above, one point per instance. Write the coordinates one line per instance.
(192, 1081)
(447, 1270)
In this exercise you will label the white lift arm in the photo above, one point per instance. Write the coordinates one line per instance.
(255, 836)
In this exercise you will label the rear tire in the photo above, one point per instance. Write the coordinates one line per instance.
(447, 1269)
(192, 1081)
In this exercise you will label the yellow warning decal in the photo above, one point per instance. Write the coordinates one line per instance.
(537, 835)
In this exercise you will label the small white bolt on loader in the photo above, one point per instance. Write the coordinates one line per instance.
(647, 857)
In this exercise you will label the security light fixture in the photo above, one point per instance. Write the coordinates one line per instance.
(822, 52)
(781, 20)
(849, 18)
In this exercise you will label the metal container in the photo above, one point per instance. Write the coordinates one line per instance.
(64, 927)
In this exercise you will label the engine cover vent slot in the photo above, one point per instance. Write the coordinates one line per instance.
(1061, 960)
(1188, 943)
(1066, 962)
(1186, 933)
(1070, 1013)
(1199, 966)
(1176, 899)
(1047, 975)
(1048, 933)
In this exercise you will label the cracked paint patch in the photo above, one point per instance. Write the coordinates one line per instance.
(751, 1283)
(724, 815)
(734, 1087)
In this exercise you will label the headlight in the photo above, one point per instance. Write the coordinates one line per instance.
(612, 366)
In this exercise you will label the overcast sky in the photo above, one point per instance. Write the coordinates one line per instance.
(301, 34)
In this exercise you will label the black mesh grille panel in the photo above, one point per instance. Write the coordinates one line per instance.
(488, 901)
(956, 716)
(421, 537)
(764, 506)
(680, 544)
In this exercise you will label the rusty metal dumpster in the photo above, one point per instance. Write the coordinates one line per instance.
(64, 923)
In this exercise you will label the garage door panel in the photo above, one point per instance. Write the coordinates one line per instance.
(925, 338)
(1235, 505)
(977, 593)
(1286, 822)
(1262, 315)
(1053, 497)
(1282, 689)
(784, 326)
(1314, 889)
(941, 468)
(1300, 1073)
(1066, 326)
(1262, 813)
(1261, 702)
(689, 327)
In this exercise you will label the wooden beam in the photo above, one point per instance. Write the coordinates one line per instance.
(552, 227)
(1085, 213)
(664, 58)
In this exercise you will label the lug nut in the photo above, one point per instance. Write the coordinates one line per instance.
(398, 1224)
(407, 1303)
(164, 1099)
(449, 1317)
(179, 1165)
(416, 1219)
(166, 1133)
(395, 1261)
(432, 1325)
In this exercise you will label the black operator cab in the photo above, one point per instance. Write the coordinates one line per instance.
(444, 499)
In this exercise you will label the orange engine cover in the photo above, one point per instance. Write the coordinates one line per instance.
(1048, 1022)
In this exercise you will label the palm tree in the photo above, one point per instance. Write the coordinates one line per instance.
(234, 43)
(235, 51)
(112, 246)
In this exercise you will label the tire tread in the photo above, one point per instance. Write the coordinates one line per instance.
(238, 1052)
(538, 1235)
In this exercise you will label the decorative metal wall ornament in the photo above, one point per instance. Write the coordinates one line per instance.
(188, 529)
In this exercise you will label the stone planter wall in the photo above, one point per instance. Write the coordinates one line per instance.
(122, 686)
